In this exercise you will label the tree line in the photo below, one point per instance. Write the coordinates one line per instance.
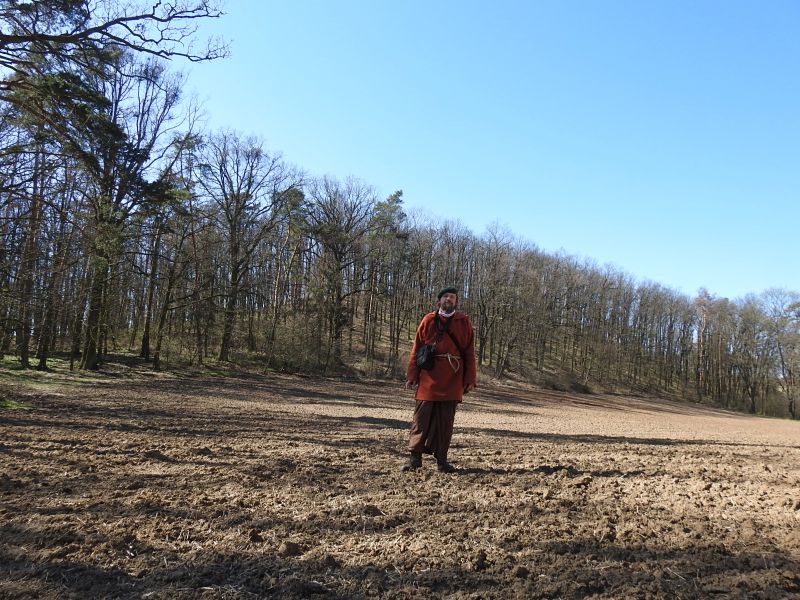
(125, 226)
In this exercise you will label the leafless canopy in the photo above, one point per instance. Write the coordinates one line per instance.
(69, 29)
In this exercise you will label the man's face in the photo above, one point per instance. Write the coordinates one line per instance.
(448, 302)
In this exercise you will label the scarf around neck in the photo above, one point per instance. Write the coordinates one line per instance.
(447, 315)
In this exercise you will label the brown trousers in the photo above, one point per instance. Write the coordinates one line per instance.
(432, 428)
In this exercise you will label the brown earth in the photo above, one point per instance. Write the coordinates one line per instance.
(290, 487)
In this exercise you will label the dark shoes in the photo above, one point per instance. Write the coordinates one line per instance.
(414, 462)
(446, 467)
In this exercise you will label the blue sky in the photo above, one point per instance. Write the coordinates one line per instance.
(659, 137)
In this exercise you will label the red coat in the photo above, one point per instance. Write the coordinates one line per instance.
(448, 377)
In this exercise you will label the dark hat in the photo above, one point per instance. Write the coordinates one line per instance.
(447, 290)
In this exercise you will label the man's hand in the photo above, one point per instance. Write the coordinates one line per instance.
(410, 385)
(469, 387)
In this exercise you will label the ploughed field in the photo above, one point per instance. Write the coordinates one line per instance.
(290, 487)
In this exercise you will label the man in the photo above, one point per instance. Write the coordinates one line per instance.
(440, 389)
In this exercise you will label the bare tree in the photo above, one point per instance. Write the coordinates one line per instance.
(77, 31)
(142, 120)
(340, 216)
(247, 187)
(782, 310)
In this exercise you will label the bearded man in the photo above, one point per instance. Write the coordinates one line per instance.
(441, 387)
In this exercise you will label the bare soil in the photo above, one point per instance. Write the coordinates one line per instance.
(290, 487)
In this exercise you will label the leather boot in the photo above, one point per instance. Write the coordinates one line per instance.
(445, 467)
(414, 462)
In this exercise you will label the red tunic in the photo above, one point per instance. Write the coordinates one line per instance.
(448, 377)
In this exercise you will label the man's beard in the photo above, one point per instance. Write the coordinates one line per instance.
(447, 306)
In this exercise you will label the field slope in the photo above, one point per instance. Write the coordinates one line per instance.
(290, 487)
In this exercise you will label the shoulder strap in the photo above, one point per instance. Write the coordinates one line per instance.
(446, 330)
(440, 331)
(450, 335)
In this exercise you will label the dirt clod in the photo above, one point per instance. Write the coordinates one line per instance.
(521, 572)
(290, 549)
(371, 510)
(255, 536)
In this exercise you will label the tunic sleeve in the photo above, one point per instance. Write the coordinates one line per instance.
(470, 370)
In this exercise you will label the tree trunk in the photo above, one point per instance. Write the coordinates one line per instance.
(162, 317)
(77, 321)
(229, 318)
(51, 310)
(45, 335)
(28, 265)
(151, 288)
(90, 359)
